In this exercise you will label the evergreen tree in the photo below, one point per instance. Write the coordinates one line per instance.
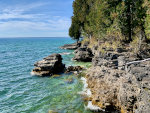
(93, 18)
(74, 30)
(131, 17)
(147, 20)
(80, 9)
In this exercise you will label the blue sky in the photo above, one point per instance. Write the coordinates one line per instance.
(35, 18)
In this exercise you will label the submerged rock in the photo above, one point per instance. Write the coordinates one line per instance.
(49, 66)
(53, 111)
(69, 80)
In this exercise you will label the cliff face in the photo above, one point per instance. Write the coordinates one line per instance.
(117, 87)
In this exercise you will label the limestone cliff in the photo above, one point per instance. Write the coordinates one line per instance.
(117, 85)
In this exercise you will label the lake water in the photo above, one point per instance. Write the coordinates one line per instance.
(20, 92)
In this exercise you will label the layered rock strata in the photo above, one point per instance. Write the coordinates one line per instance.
(117, 87)
(73, 69)
(49, 66)
(71, 46)
(83, 53)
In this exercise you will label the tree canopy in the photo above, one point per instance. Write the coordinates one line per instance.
(93, 18)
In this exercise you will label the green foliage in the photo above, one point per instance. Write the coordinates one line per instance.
(110, 18)
(147, 20)
(98, 19)
(74, 30)
(132, 16)
(81, 9)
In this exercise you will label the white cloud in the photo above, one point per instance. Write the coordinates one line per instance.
(59, 24)
(15, 16)
(18, 12)
(22, 8)
(36, 28)
(18, 20)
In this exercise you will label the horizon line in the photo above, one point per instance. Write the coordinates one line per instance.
(38, 37)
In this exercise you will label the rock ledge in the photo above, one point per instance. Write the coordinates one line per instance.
(49, 65)
(71, 46)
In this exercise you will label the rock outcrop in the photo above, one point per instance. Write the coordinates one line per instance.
(83, 55)
(108, 59)
(71, 46)
(49, 66)
(104, 84)
(116, 86)
(73, 69)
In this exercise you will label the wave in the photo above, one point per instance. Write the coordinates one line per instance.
(93, 107)
(86, 91)
(65, 53)
(32, 73)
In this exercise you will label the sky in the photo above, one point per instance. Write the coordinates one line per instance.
(35, 18)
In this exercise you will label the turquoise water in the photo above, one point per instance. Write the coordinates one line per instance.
(22, 93)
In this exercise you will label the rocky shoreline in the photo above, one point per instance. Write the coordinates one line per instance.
(73, 46)
(115, 83)
(119, 82)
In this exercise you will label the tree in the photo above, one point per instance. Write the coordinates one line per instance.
(131, 17)
(147, 19)
(100, 18)
(74, 30)
(94, 18)
(78, 18)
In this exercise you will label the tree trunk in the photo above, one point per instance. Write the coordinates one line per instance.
(130, 23)
(77, 41)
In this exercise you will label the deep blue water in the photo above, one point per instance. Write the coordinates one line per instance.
(20, 92)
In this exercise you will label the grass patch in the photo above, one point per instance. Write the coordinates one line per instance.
(109, 46)
(85, 40)
(93, 42)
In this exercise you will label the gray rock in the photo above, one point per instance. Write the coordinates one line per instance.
(120, 50)
(73, 69)
(121, 62)
(71, 46)
(108, 59)
(49, 66)
(83, 54)
(127, 90)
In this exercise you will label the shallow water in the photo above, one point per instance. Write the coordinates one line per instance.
(22, 93)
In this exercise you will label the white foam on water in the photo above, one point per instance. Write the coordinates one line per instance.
(93, 107)
(86, 90)
(65, 53)
(32, 73)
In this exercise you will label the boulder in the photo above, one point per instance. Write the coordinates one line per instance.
(121, 62)
(83, 54)
(49, 66)
(73, 69)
